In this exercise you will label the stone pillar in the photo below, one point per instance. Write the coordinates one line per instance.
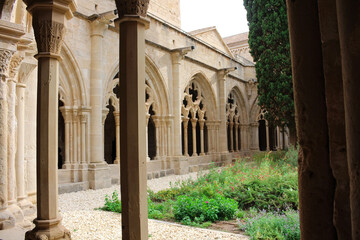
(7, 219)
(157, 135)
(75, 136)
(168, 133)
(96, 93)
(193, 124)
(67, 119)
(254, 128)
(185, 123)
(83, 138)
(12, 125)
(267, 137)
(236, 136)
(231, 126)
(132, 118)
(48, 22)
(222, 134)
(316, 181)
(201, 123)
(244, 137)
(348, 23)
(278, 146)
(23, 202)
(117, 125)
(177, 56)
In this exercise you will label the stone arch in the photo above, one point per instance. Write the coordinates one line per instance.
(242, 104)
(156, 82)
(209, 96)
(198, 108)
(71, 80)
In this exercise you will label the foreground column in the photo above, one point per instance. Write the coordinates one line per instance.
(132, 118)
(348, 22)
(48, 23)
(316, 183)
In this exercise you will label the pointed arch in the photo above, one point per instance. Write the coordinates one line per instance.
(207, 91)
(71, 81)
(242, 104)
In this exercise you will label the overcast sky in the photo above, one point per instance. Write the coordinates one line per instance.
(229, 16)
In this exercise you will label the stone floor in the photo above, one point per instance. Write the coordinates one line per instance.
(85, 223)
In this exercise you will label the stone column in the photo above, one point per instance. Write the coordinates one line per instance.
(222, 134)
(185, 123)
(254, 136)
(231, 126)
(267, 137)
(12, 125)
(201, 124)
(236, 136)
(117, 126)
(348, 23)
(147, 117)
(177, 56)
(66, 114)
(193, 124)
(278, 146)
(20, 164)
(244, 137)
(7, 219)
(75, 137)
(168, 133)
(157, 135)
(316, 181)
(83, 138)
(48, 22)
(96, 93)
(132, 118)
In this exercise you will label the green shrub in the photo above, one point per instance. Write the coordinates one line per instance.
(204, 209)
(265, 225)
(112, 204)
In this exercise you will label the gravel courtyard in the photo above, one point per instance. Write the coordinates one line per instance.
(85, 223)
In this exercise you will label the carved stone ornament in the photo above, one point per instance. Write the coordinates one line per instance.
(49, 35)
(132, 7)
(5, 56)
(15, 64)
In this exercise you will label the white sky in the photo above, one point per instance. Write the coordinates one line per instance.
(229, 16)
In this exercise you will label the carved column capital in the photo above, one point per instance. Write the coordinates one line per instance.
(132, 7)
(5, 57)
(15, 64)
(49, 35)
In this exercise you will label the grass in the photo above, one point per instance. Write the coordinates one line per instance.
(262, 194)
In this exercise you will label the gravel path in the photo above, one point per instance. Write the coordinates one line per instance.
(84, 222)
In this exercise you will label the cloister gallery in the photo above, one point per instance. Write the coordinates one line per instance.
(200, 98)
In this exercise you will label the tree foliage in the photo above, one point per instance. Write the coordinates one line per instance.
(270, 48)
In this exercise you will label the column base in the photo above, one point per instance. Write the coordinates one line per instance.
(16, 212)
(26, 206)
(7, 220)
(99, 175)
(117, 161)
(48, 229)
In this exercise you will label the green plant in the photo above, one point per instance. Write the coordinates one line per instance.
(270, 225)
(204, 209)
(112, 204)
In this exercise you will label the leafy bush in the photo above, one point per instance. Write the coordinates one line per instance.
(112, 204)
(273, 226)
(204, 209)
